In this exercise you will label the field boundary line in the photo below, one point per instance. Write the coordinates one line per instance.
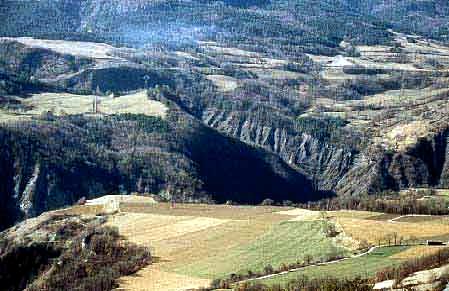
(370, 250)
(394, 220)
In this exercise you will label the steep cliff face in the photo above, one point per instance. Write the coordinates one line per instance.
(336, 166)
(433, 152)
(323, 162)
(423, 165)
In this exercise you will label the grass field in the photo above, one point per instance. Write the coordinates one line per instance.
(287, 242)
(223, 83)
(418, 251)
(365, 266)
(65, 103)
(380, 230)
(196, 243)
(186, 235)
(68, 104)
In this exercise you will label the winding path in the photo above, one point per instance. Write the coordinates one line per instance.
(315, 265)
(393, 220)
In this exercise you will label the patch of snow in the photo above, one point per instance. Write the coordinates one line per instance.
(340, 61)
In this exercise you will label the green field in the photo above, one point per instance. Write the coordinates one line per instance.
(197, 243)
(287, 242)
(365, 266)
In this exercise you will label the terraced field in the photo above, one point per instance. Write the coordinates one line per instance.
(194, 244)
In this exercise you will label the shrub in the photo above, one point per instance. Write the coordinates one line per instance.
(83, 256)
(267, 202)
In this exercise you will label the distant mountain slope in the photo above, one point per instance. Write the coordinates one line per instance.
(281, 99)
(307, 23)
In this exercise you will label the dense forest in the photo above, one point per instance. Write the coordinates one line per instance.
(281, 27)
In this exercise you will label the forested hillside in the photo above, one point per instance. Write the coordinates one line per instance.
(53, 162)
(284, 25)
(220, 100)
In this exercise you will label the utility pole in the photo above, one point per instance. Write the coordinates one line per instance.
(95, 105)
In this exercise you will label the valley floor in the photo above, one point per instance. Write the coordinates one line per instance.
(195, 243)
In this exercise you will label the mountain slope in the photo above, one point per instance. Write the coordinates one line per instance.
(307, 23)
(49, 163)
(267, 99)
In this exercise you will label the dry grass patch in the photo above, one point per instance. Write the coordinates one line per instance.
(151, 278)
(207, 210)
(141, 200)
(183, 227)
(65, 103)
(82, 210)
(146, 229)
(137, 103)
(417, 251)
(375, 230)
(76, 48)
(354, 214)
(404, 135)
(275, 74)
(185, 238)
(193, 241)
(444, 220)
(223, 83)
(399, 97)
(230, 51)
(7, 116)
(302, 214)
(197, 246)
(284, 243)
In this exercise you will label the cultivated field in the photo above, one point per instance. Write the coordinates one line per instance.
(365, 266)
(69, 104)
(382, 231)
(194, 244)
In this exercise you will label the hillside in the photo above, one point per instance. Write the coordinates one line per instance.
(221, 247)
(305, 23)
(220, 100)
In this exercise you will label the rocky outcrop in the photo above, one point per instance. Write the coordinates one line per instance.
(323, 162)
(434, 154)
(26, 200)
(336, 166)
(426, 280)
